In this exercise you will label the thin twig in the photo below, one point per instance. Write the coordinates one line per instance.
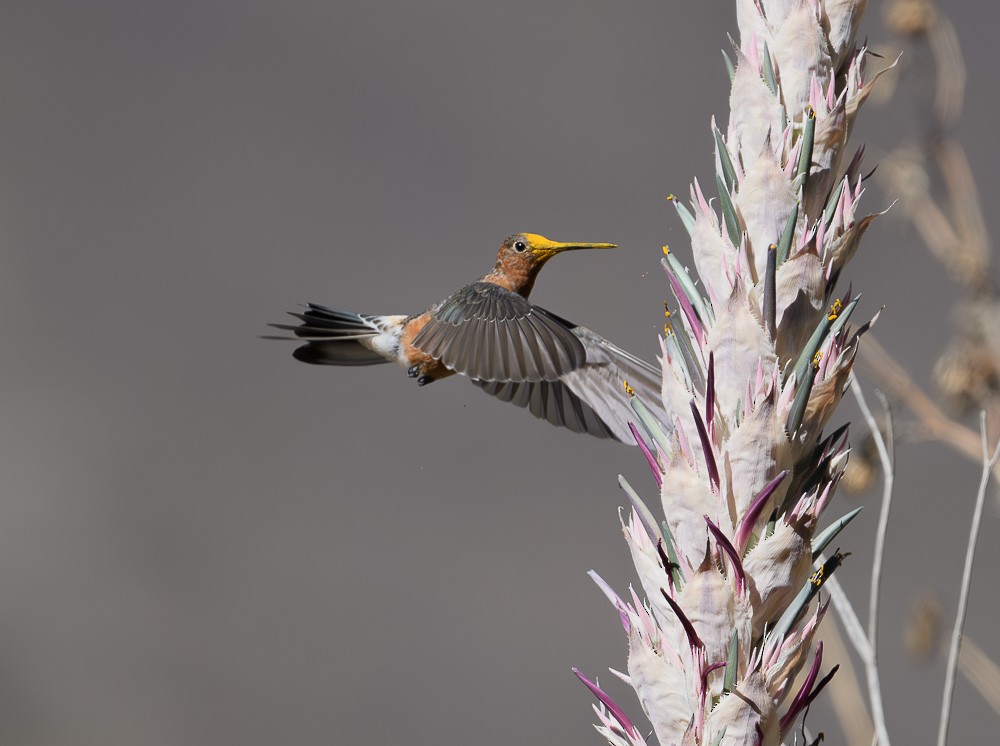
(963, 596)
(849, 618)
(888, 473)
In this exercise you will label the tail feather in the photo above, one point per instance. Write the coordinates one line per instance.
(335, 336)
(337, 353)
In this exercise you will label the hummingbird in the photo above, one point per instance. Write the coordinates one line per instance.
(489, 332)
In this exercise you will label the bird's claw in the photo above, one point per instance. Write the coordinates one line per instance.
(413, 371)
(424, 380)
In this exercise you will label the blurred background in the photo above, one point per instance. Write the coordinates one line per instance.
(203, 541)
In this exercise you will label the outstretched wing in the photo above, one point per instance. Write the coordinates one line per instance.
(491, 334)
(590, 399)
(552, 401)
(600, 384)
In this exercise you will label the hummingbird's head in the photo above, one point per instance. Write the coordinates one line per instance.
(524, 254)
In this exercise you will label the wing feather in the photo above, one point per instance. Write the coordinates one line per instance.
(540, 397)
(489, 333)
(589, 399)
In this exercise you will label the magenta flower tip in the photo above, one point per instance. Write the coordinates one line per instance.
(706, 446)
(616, 712)
(753, 514)
(693, 640)
(730, 551)
(654, 466)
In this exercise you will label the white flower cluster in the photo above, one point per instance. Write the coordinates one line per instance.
(756, 357)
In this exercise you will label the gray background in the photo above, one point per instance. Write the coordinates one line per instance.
(205, 542)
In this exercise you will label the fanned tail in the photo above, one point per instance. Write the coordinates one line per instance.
(339, 337)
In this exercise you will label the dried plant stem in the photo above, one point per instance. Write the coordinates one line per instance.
(856, 634)
(888, 471)
(950, 89)
(849, 618)
(989, 461)
(888, 463)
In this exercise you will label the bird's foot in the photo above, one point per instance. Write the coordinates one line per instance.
(413, 371)
(424, 380)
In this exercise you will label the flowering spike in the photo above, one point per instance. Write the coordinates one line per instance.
(754, 356)
(730, 551)
(755, 510)
(613, 708)
(650, 458)
(706, 446)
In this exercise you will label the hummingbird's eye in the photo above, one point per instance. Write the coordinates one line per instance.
(520, 246)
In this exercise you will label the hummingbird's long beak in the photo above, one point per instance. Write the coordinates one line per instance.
(543, 249)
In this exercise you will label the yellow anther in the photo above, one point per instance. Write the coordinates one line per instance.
(810, 112)
(666, 251)
(816, 579)
(668, 329)
(835, 309)
(671, 198)
(628, 389)
(816, 358)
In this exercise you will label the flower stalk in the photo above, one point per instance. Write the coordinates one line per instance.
(754, 364)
